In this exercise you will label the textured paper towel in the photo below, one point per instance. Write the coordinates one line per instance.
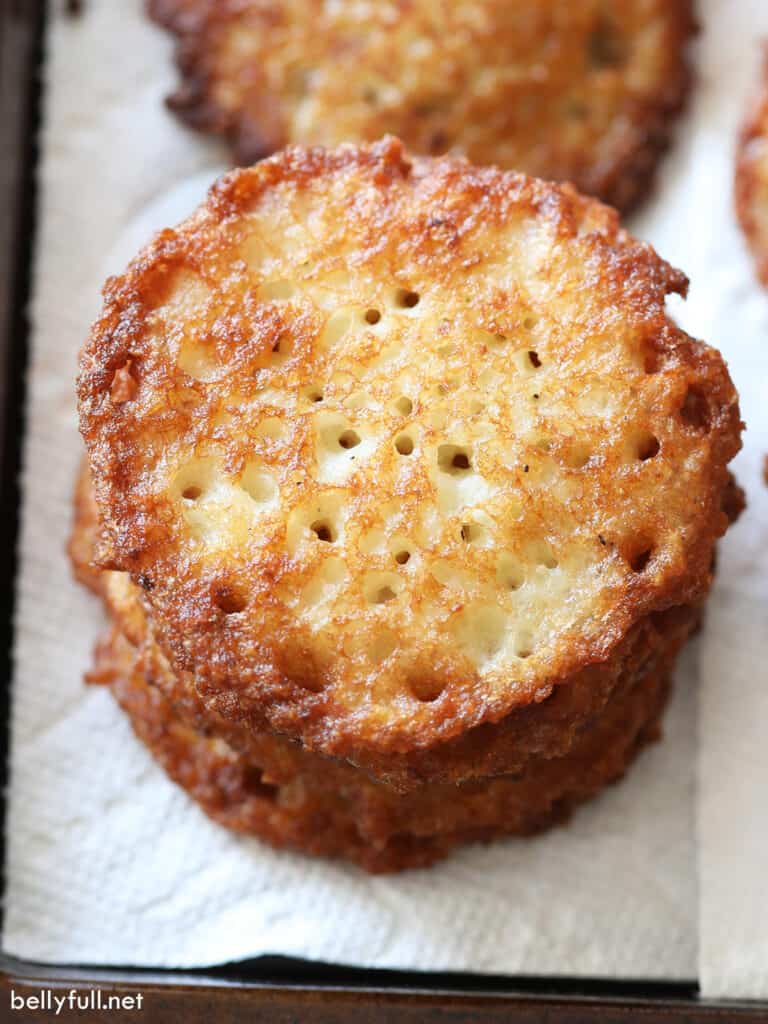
(694, 228)
(728, 306)
(107, 861)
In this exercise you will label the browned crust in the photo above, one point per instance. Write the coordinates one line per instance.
(83, 537)
(449, 739)
(751, 177)
(615, 162)
(296, 800)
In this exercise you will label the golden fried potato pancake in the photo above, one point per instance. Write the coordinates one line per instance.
(295, 799)
(406, 455)
(751, 184)
(579, 90)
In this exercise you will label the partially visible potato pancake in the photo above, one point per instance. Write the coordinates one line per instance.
(399, 448)
(579, 90)
(751, 186)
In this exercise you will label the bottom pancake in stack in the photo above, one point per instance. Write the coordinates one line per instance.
(270, 787)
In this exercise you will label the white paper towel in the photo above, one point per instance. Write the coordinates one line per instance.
(107, 861)
(694, 227)
(728, 307)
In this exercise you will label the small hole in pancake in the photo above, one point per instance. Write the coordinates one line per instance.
(652, 362)
(454, 459)
(648, 448)
(315, 395)
(192, 493)
(281, 348)
(253, 783)
(606, 48)
(533, 359)
(324, 530)
(381, 587)
(425, 688)
(640, 559)
(404, 444)
(349, 439)
(229, 600)
(523, 645)
(578, 457)
(472, 533)
(402, 557)
(530, 322)
(372, 316)
(407, 299)
(695, 409)
(404, 405)
(542, 554)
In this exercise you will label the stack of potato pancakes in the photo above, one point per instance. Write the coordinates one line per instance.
(402, 494)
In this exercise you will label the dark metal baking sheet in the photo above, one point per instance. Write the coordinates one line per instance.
(271, 988)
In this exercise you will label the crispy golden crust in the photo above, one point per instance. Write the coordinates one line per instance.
(294, 799)
(582, 90)
(751, 183)
(83, 538)
(504, 401)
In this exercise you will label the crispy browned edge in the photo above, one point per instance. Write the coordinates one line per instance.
(746, 186)
(624, 183)
(631, 178)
